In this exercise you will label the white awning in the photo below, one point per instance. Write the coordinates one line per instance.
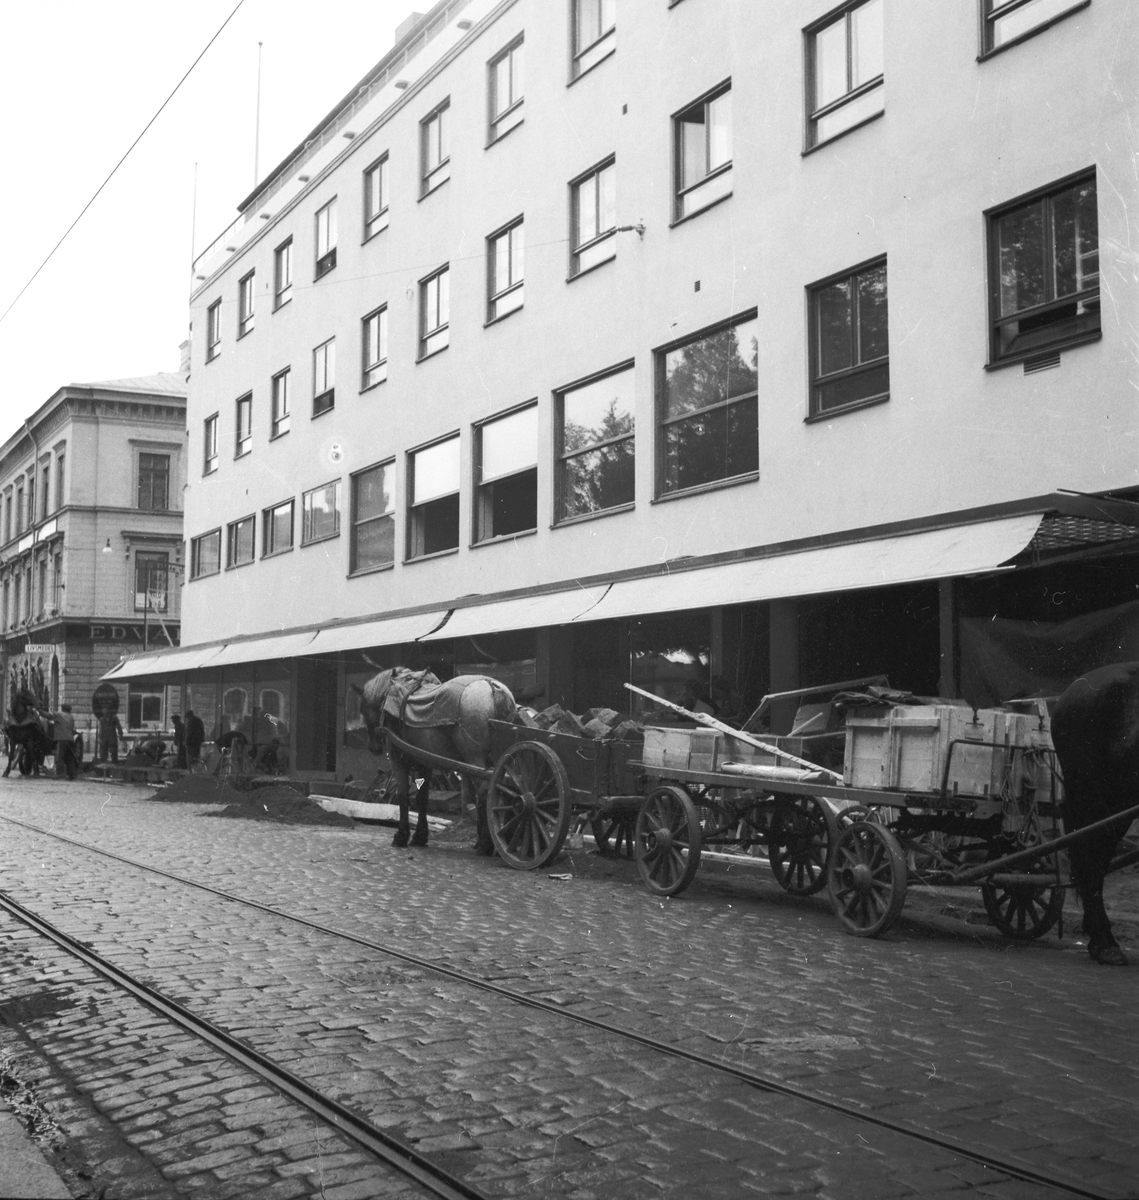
(523, 612)
(388, 631)
(282, 645)
(881, 562)
(168, 662)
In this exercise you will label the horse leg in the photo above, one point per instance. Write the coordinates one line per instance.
(403, 830)
(1089, 860)
(484, 844)
(419, 838)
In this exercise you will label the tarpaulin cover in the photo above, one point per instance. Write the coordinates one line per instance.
(1007, 660)
(418, 698)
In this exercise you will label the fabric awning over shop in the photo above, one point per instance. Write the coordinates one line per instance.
(168, 662)
(909, 558)
(285, 645)
(521, 612)
(389, 631)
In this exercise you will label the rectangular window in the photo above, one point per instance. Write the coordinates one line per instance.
(434, 312)
(20, 508)
(213, 331)
(434, 149)
(283, 273)
(375, 343)
(505, 90)
(373, 518)
(594, 33)
(844, 70)
(41, 571)
(277, 529)
(45, 491)
(16, 606)
(281, 407)
(702, 149)
(31, 497)
(504, 263)
(210, 444)
(239, 542)
(320, 513)
(1044, 271)
(1008, 21)
(506, 474)
(326, 239)
(433, 492)
(245, 304)
(57, 582)
(595, 438)
(850, 346)
(205, 554)
(707, 408)
(243, 426)
(154, 482)
(8, 517)
(324, 377)
(60, 479)
(376, 198)
(151, 575)
(593, 217)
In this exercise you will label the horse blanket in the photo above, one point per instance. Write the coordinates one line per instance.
(419, 700)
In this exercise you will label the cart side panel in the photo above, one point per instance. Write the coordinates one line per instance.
(598, 768)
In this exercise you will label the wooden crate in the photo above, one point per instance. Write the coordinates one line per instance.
(699, 750)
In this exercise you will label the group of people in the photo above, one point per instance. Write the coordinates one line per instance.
(189, 735)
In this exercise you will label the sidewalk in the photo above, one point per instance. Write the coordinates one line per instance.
(24, 1172)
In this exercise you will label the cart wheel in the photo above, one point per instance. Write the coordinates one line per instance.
(667, 846)
(614, 834)
(528, 805)
(1021, 910)
(867, 879)
(803, 830)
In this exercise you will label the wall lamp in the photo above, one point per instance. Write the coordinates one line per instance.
(107, 547)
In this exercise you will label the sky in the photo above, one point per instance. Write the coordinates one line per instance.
(78, 83)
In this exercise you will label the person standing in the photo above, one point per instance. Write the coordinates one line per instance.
(179, 742)
(65, 742)
(195, 736)
(110, 730)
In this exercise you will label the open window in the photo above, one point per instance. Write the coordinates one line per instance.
(703, 152)
(433, 492)
(506, 471)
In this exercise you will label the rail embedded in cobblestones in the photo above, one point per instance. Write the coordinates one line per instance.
(754, 1079)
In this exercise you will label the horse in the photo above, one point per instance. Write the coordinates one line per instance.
(25, 733)
(449, 720)
(1095, 730)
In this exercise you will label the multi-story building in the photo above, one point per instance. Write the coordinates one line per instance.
(91, 524)
(702, 344)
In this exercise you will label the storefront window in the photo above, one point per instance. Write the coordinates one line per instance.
(670, 658)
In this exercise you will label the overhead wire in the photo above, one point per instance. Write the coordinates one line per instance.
(117, 165)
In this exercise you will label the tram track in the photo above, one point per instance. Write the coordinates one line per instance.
(396, 1153)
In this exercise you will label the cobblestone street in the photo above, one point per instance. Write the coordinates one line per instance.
(1028, 1053)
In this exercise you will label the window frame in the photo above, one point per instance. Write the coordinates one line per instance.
(432, 175)
(482, 515)
(376, 222)
(854, 92)
(661, 492)
(149, 471)
(373, 372)
(680, 190)
(816, 381)
(162, 560)
(325, 234)
(280, 416)
(992, 11)
(213, 330)
(500, 123)
(584, 58)
(324, 400)
(243, 425)
(356, 523)
(246, 298)
(494, 298)
(562, 456)
(1039, 196)
(283, 273)
(598, 239)
(443, 327)
(414, 535)
(210, 442)
(233, 543)
(197, 545)
(307, 520)
(269, 547)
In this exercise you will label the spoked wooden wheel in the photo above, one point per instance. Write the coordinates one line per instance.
(803, 830)
(1022, 910)
(528, 805)
(867, 879)
(614, 834)
(667, 845)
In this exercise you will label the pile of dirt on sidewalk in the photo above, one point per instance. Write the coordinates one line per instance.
(282, 804)
(199, 789)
